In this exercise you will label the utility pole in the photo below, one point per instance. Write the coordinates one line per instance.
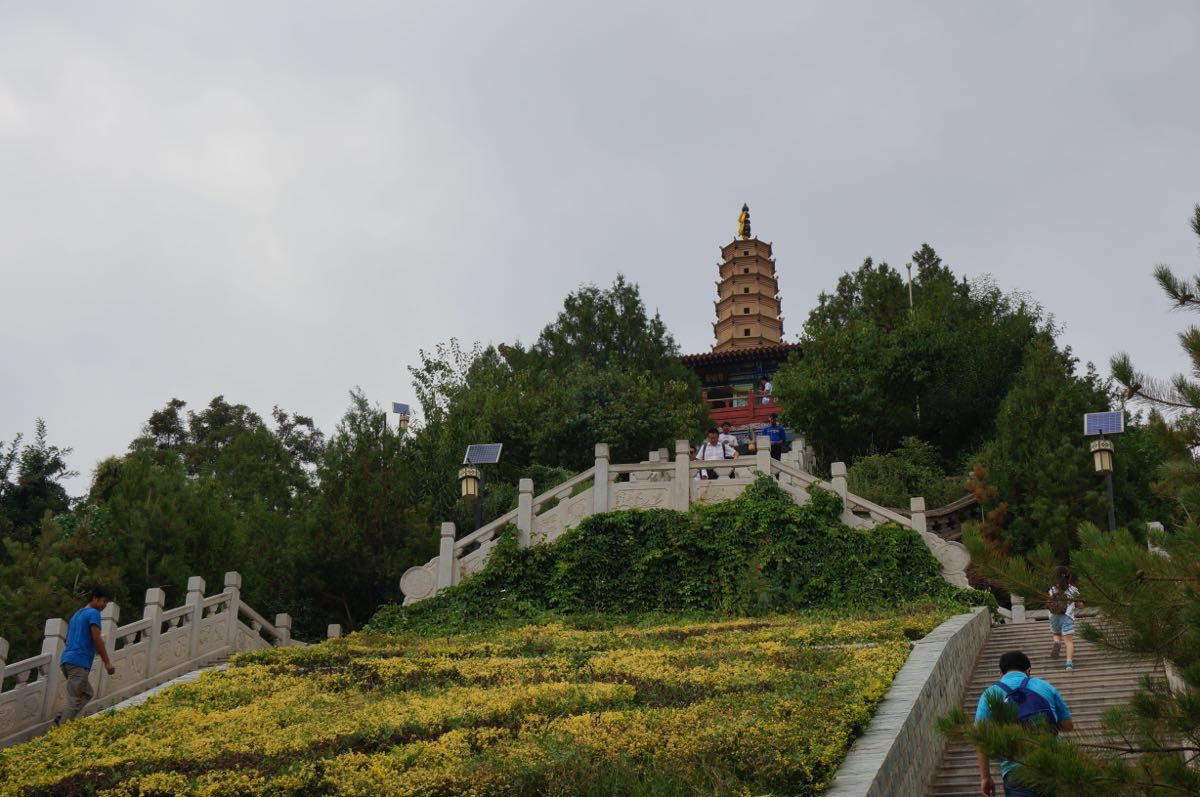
(908, 267)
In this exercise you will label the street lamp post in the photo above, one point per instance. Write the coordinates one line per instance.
(402, 415)
(470, 480)
(1102, 461)
(470, 476)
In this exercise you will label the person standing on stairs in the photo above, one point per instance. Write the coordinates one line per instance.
(777, 435)
(83, 643)
(1063, 600)
(712, 449)
(1036, 701)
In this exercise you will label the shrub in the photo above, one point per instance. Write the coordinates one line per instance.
(912, 469)
(755, 554)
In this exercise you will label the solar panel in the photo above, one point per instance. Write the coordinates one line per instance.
(1095, 423)
(483, 454)
(399, 409)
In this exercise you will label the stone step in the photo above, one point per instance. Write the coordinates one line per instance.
(1103, 679)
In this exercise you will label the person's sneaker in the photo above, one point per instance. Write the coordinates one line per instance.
(1070, 665)
(1054, 649)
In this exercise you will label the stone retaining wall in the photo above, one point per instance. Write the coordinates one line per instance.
(901, 749)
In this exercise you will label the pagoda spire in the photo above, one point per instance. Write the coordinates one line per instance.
(744, 223)
(748, 301)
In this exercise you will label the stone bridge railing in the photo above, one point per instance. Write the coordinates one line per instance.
(657, 483)
(163, 644)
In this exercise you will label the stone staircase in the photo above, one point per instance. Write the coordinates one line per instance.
(1101, 679)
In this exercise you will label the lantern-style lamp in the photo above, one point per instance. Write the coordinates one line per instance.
(468, 480)
(1102, 456)
(402, 415)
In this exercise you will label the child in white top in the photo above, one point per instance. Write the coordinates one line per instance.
(1063, 598)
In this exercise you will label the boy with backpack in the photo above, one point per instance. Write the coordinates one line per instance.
(1038, 705)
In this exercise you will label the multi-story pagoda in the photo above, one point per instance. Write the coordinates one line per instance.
(749, 343)
(747, 294)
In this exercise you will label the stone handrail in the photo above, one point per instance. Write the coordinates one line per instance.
(152, 650)
(655, 483)
(560, 491)
(485, 532)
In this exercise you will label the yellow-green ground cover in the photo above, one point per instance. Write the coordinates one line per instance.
(748, 706)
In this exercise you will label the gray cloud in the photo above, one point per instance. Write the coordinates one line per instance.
(280, 201)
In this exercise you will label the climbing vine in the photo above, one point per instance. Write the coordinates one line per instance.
(755, 554)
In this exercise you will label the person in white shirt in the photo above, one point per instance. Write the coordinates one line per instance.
(727, 436)
(1063, 600)
(713, 449)
(764, 390)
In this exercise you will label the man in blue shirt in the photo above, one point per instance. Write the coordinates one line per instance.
(778, 436)
(83, 643)
(1014, 668)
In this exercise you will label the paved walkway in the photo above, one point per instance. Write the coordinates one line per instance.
(1101, 680)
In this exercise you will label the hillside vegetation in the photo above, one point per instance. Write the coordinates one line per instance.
(741, 706)
(641, 653)
(757, 553)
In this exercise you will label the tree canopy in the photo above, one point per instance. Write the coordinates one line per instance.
(875, 371)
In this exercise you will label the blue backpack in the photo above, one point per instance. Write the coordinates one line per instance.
(1032, 709)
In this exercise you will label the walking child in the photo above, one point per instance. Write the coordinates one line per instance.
(1063, 600)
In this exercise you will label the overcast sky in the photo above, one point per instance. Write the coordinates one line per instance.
(277, 201)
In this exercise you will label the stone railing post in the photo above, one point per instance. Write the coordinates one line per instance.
(837, 478)
(156, 599)
(600, 494)
(916, 508)
(334, 631)
(1018, 610)
(3, 652)
(233, 585)
(283, 624)
(762, 454)
(1154, 528)
(53, 643)
(445, 564)
(683, 482)
(195, 599)
(524, 512)
(108, 632)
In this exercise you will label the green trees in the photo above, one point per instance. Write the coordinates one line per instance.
(1036, 458)
(37, 487)
(874, 372)
(976, 375)
(1149, 595)
(366, 530)
(891, 479)
(1178, 396)
(603, 371)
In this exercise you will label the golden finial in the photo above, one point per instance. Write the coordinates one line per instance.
(744, 223)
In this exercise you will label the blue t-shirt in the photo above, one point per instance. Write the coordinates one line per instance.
(80, 648)
(1012, 679)
(776, 432)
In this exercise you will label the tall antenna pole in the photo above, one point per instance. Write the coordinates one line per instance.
(908, 266)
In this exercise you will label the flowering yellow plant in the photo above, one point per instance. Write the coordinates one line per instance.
(762, 706)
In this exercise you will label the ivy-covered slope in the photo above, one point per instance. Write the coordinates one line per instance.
(755, 554)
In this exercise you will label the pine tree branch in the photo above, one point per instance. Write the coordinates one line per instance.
(1135, 749)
